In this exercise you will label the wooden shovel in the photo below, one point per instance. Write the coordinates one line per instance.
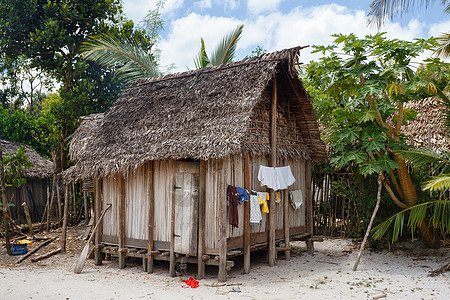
(82, 259)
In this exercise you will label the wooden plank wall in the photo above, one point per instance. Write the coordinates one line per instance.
(136, 204)
(111, 195)
(163, 199)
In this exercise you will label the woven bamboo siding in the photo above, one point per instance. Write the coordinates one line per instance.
(163, 199)
(111, 195)
(136, 204)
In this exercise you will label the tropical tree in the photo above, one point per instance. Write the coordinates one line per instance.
(223, 53)
(366, 83)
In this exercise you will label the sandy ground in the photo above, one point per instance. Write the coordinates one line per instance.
(399, 274)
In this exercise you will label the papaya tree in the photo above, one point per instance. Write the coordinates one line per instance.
(364, 84)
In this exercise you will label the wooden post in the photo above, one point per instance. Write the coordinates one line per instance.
(273, 163)
(49, 210)
(172, 221)
(222, 276)
(287, 253)
(86, 209)
(58, 196)
(201, 220)
(65, 218)
(97, 211)
(122, 223)
(247, 216)
(309, 207)
(27, 215)
(151, 216)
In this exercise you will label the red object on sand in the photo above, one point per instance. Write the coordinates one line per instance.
(191, 282)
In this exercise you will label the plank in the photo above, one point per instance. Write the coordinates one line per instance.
(201, 220)
(172, 168)
(151, 215)
(122, 223)
(247, 216)
(273, 162)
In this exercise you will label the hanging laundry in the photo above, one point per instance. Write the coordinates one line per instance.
(255, 209)
(276, 178)
(296, 198)
(232, 202)
(278, 197)
(242, 195)
(263, 197)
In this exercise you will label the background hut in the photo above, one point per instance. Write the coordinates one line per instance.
(34, 191)
(165, 152)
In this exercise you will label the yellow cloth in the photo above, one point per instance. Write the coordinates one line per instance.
(263, 201)
(24, 242)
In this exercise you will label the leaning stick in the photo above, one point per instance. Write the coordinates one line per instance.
(46, 255)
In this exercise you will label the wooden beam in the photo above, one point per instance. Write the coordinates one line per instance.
(122, 222)
(287, 253)
(222, 276)
(309, 206)
(97, 211)
(151, 215)
(65, 218)
(201, 220)
(273, 162)
(247, 216)
(172, 220)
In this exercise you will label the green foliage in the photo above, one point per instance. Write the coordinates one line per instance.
(223, 53)
(257, 52)
(15, 167)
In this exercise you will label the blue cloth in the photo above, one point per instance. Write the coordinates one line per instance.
(242, 195)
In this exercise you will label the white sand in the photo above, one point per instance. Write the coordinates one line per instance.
(326, 275)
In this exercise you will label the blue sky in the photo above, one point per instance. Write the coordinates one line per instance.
(274, 24)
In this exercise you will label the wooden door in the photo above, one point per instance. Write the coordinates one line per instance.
(186, 207)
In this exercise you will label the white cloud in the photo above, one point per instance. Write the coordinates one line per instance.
(203, 4)
(439, 28)
(183, 41)
(229, 4)
(136, 10)
(256, 7)
(275, 31)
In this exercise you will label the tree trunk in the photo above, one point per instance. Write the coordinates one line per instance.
(410, 199)
(5, 208)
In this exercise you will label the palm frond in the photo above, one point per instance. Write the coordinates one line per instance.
(421, 156)
(125, 54)
(381, 10)
(440, 217)
(444, 48)
(438, 183)
(202, 60)
(224, 52)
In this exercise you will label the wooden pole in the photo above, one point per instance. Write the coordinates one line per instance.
(5, 208)
(201, 220)
(222, 276)
(172, 221)
(309, 207)
(122, 223)
(97, 212)
(86, 209)
(247, 216)
(151, 216)
(52, 196)
(27, 215)
(273, 163)
(74, 202)
(287, 253)
(65, 218)
(58, 196)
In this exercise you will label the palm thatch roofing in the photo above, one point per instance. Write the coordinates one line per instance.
(41, 167)
(202, 114)
(427, 130)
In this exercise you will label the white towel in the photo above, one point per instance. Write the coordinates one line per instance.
(296, 198)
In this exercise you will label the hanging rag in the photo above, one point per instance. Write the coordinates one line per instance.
(255, 209)
(296, 198)
(278, 197)
(263, 197)
(242, 195)
(232, 201)
(276, 178)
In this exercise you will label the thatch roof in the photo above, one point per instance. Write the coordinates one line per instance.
(201, 114)
(41, 167)
(427, 130)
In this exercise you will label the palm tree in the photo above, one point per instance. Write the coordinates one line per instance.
(380, 10)
(125, 54)
(224, 52)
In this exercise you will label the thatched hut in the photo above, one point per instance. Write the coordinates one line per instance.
(427, 130)
(165, 152)
(34, 191)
